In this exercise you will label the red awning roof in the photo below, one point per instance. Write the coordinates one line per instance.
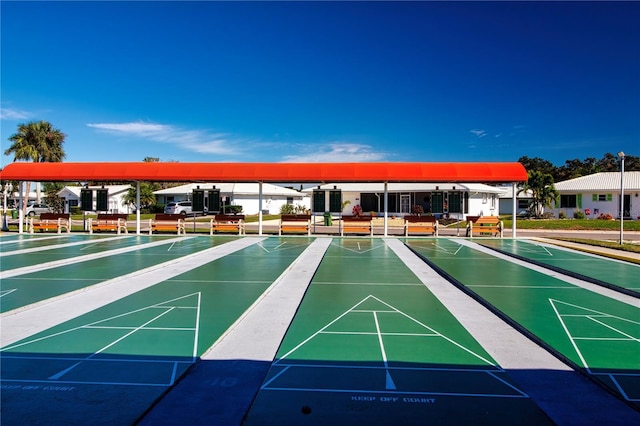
(266, 172)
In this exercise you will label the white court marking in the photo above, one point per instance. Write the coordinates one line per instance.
(190, 302)
(389, 385)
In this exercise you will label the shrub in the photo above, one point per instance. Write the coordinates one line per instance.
(562, 215)
(417, 209)
(357, 210)
(605, 216)
(233, 209)
(75, 210)
(579, 214)
(286, 209)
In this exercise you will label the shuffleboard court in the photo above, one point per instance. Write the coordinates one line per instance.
(118, 359)
(592, 332)
(108, 260)
(371, 345)
(616, 274)
(45, 251)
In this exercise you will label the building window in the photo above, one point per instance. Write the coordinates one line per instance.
(523, 204)
(602, 197)
(289, 200)
(568, 201)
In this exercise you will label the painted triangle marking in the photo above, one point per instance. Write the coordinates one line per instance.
(576, 311)
(8, 291)
(165, 307)
(281, 246)
(359, 250)
(374, 306)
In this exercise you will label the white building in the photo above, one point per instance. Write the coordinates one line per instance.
(523, 201)
(242, 194)
(116, 194)
(598, 194)
(455, 200)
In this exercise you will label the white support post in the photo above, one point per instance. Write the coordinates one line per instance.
(20, 206)
(386, 208)
(259, 208)
(514, 212)
(137, 207)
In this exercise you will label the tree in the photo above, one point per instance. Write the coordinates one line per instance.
(51, 190)
(538, 164)
(36, 141)
(543, 193)
(147, 197)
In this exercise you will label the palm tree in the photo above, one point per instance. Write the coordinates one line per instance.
(543, 193)
(36, 141)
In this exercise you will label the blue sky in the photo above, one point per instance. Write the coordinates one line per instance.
(325, 81)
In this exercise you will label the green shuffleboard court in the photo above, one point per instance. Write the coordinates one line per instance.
(370, 344)
(595, 333)
(117, 360)
(612, 273)
(71, 266)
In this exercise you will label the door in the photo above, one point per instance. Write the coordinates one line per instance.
(405, 203)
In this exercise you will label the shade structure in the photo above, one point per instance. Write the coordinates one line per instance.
(266, 172)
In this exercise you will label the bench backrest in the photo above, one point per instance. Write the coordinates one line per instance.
(295, 217)
(169, 217)
(229, 217)
(357, 218)
(487, 220)
(112, 216)
(54, 216)
(412, 219)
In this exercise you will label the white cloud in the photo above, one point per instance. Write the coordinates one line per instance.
(336, 152)
(198, 141)
(13, 114)
(478, 132)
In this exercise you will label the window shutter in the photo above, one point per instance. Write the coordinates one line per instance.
(609, 197)
(579, 200)
(594, 197)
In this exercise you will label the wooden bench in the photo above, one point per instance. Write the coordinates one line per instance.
(167, 223)
(109, 222)
(356, 225)
(420, 225)
(295, 223)
(50, 221)
(485, 226)
(227, 223)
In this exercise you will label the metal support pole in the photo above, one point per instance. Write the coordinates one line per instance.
(514, 208)
(621, 155)
(386, 208)
(259, 208)
(137, 207)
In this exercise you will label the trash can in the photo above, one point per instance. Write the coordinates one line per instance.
(14, 214)
(327, 219)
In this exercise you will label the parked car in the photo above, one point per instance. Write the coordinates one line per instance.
(180, 207)
(36, 209)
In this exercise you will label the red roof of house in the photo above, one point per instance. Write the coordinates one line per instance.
(266, 172)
